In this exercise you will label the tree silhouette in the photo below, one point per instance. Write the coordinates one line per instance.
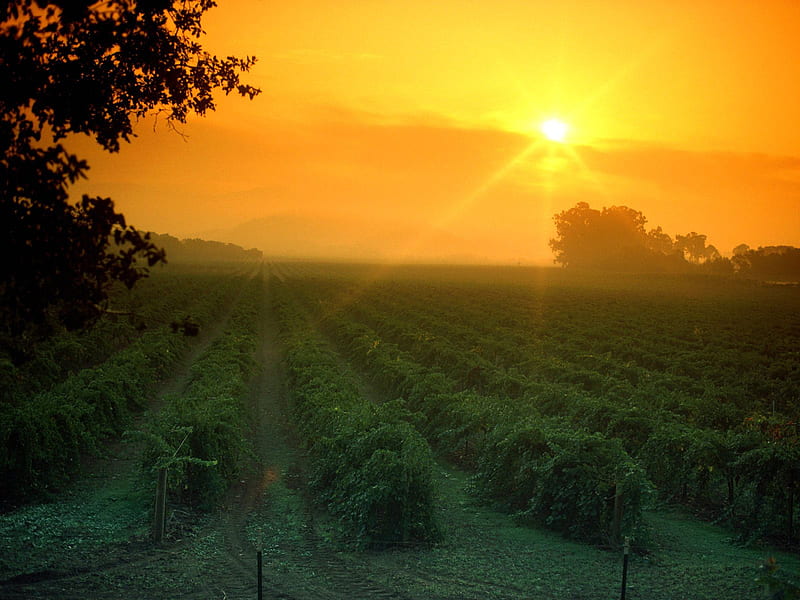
(78, 66)
(613, 237)
(658, 241)
(693, 248)
(779, 263)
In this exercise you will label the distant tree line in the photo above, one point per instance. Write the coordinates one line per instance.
(615, 238)
(195, 250)
(771, 263)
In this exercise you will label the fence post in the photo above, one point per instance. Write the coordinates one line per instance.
(161, 506)
(626, 550)
(260, 590)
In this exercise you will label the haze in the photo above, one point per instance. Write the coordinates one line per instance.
(411, 131)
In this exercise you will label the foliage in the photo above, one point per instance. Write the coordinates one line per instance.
(771, 481)
(692, 247)
(197, 251)
(370, 466)
(563, 479)
(44, 431)
(679, 370)
(90, 68)
(155, 302)
(577, 481)
(200, 433)
(43, 438)
(687, 463)
(772, 263)
(613, 237)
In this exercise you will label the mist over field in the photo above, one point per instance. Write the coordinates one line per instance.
(350, 240)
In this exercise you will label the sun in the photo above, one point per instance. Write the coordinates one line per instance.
(554, 130)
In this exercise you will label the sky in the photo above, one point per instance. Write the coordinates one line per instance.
(411, 130)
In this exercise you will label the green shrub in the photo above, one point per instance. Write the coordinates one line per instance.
(369, 466)
(564, 479)
(43, 434)
(203, 426)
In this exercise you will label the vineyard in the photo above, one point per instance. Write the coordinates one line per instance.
(408, 432)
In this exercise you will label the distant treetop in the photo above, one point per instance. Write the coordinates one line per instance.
(612, 238)
(616, 238)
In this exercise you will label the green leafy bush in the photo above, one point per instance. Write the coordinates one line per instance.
(565, 479)
(543, 469)
(42, 435)
(209, 414)
(369, 465)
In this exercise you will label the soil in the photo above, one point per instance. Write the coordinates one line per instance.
(93, 541)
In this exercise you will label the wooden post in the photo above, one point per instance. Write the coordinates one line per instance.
(616, 523)
(161, 506)
(625, 552)
(791, 513)
(260, 590)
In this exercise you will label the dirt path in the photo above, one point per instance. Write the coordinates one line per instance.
(232, 573)
(269, 509)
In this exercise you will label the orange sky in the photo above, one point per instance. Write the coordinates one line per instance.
(409, 130)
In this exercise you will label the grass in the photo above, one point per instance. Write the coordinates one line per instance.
(486, 554)
(61, 534)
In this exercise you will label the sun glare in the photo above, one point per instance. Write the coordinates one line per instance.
(555, 130)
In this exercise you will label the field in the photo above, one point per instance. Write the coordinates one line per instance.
(409, 432)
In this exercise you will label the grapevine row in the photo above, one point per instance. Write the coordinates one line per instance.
(699, 450)
(199, 435)
(43, 437)
(369, 465)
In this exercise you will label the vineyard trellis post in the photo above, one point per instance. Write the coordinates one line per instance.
(625, 551)
(161, 505)
(260, 577)
(160, 513)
